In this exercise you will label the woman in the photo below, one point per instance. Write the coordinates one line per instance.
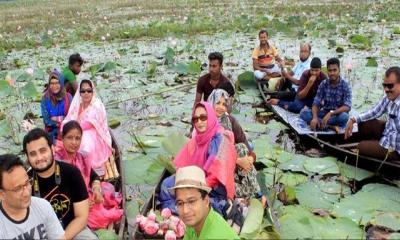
(245, 173)
(212, 149)
(89, 111)
(103, 210)
(55, 104)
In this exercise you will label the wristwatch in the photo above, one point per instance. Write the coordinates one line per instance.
(332, 112)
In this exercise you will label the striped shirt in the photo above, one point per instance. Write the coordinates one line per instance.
(331, 97)
(391, 134)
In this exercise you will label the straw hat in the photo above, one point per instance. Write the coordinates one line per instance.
(191, 177)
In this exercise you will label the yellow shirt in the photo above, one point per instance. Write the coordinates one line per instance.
(265, 57)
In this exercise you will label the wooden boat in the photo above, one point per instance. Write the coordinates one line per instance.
(336, 145)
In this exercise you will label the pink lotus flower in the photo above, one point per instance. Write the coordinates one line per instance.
(166, 213)
(152, 216)
(151, 228)
(174, 220)
(139, 218)
(349, 66)
(143, 222)
(170, 235)
(180, 229)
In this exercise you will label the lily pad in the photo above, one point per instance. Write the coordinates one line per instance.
(351, 172)
(365, 204)
(389, 220)
(292, 179)
(246, 80)
(106, 234)
(322, 166)
(311, 196)
(174, 143)
(252, 224)
(294, 165)
(5, 88)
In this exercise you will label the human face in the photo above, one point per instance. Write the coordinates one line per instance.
(16, 189)
(75, 68)
(86, 93)
(201, 126)
(333, 72)
(391, 87)
(72, 141)
(40, 155)
(192, 209)
(315, 71)
(220, 107)
(263, 37)
(214, 67)
(55, 86)
(304, 52)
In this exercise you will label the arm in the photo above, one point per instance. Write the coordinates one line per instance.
(199, 91)
(341, 109)
(197, 98)
(290, 77)
(81, 211)
(256, 66)
(45, 114)
(378, 110)
(305, 88)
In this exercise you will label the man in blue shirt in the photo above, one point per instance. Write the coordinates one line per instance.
(332, 102)
(381, 139)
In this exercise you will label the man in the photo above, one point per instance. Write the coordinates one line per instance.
(309, 83)
(59, 183)
(303, 65)
(210, 81)
(264, 57)
(21, 215)
(332, 102)
(193, 205)
(74, 68)
(381, 137)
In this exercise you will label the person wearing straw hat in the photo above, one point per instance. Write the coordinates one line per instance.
(193, 205)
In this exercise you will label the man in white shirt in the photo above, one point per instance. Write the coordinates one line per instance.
(21, 215)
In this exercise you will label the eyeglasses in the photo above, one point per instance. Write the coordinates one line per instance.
(191, 203)
(86, 91)
(202, 117)
(20, 188)
(387, 85)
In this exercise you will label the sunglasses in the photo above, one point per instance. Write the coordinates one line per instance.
(202, 117)
(387, 85)
(86, 91)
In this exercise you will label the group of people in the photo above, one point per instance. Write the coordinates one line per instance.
(68, 160)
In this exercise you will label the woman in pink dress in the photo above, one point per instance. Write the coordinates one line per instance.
(87, 109)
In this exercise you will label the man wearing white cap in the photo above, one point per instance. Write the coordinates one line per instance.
(193, 205)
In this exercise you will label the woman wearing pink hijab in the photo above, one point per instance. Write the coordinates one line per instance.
(212, 149)
(87, 109)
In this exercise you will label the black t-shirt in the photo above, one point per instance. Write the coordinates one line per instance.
(71, 190)
(204, 86)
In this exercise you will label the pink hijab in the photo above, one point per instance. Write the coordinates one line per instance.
(212, 150)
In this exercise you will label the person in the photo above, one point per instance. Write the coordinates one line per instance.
(304, 64)
(208, 82)
(212, 149)
(332, 103)
(309, 83)
(21, 215)
(246, 184)
(87, 109)
(55, 104)
(264, 57)
(59, 183)
(380, 138)
(70, 72)
(193, 204)
(67, 151)
(230, 89)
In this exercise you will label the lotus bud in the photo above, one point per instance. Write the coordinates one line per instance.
(170, 235)
(174, 220)
(164, 226)
(152, 216)
(151, 228)
(143, 222)
(166, 213)
(180, 229)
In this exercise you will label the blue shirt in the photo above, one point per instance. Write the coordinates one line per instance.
(330, 97)
(391, 134)
(300, 67)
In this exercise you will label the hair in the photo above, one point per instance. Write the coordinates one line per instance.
(395, 71)
(86, 81)
(228, 87)
(203, 193)
(315, 63)
(71, 125)
(7, 163)
(306, 44)
(36, 134)
(75, 58)
(216, 56)
(333, 61)
(263, 31)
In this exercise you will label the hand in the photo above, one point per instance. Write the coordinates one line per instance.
(281, 63)
(273, 101)
(325, 120)
(245, 163)
(312, 79)
(349, 129)
(97, 196)
(314, 124)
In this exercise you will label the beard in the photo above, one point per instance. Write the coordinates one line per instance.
(47, 167)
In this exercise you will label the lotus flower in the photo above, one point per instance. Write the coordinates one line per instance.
(166, 213)
(151, 228)
(152, 216)
(349, 66)
(140, 218)
(170, 235)
(29, 71)
(143, 222)
(180, 229)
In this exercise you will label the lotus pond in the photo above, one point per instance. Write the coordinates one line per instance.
(145, 59)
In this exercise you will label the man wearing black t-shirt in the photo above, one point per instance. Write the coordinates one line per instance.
(59, 183)
(210, 81)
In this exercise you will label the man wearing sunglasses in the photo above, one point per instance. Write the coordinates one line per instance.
(381, 139)
(21, 215)
(193, 206)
